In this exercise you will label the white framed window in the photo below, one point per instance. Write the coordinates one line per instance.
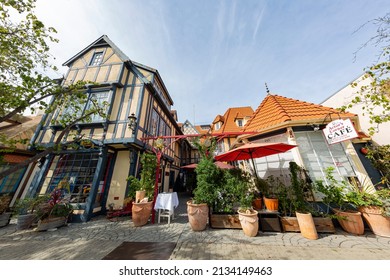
(240, 122)
(218, 126)
(317, 155)
(71, 112)
(97, 59)
(100, 97)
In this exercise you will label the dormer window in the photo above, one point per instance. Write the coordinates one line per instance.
(97, 59)
(240, 122)
(217, 125)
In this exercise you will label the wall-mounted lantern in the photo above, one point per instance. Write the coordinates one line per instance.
(132, 122)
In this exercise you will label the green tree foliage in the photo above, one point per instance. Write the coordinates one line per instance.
(24, 79)
(375, 97)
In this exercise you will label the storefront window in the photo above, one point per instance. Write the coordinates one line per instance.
(78, 170)
(317, 155)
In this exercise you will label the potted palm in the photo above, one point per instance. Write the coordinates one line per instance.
(143, 190)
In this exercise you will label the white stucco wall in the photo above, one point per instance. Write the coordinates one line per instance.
(344, 96)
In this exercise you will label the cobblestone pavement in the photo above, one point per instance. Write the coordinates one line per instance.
(95, 239)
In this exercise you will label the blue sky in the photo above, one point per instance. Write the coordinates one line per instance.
(213, 55)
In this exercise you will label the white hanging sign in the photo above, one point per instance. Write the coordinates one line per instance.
(339, 130)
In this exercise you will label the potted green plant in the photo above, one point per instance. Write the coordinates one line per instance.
(374, 206)
(226, 197)
(143, 190)
(54, 211)
(270, 198)
(262, 188)
(335, 197)
(5, 214)
(248, 216)
(25, 211)
(208, 175)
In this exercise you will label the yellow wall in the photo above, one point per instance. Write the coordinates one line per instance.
(118, 181)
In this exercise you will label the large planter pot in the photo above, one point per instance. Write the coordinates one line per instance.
(379, 224)
(25, 221)
(197, 215)
(257, 203)
(350, 221)
(141, 213)
(224, 221)
(272, 204)
(306, 225)
(51, 223)
(249, 222)
(4, 219)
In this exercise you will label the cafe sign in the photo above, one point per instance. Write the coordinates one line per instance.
(339, 131)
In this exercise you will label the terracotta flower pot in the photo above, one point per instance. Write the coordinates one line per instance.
(351, 221)
(141, 213)
(249, 222)
(258, 203)
(272, 204)
(306, 225)
(197, 215)
(379, 224)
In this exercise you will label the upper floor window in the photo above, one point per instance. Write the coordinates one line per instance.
(240, 122)
(100, 97)
(97, 59)
(217, 125)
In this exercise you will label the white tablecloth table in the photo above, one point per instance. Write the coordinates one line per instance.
(166, 204)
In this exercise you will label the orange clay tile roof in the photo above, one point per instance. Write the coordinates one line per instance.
(229, 119)
(277, 110)
(202, 129)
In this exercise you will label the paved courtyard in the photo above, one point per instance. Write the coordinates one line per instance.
(97, 238)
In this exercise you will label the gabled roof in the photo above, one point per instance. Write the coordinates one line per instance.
(276, 110)
(203, 129)
(229, 118)
(102, 41)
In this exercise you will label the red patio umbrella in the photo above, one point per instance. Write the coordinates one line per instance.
(219, 164)
(254, 150)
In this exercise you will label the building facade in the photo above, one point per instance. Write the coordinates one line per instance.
(138, 113)
(287, 120)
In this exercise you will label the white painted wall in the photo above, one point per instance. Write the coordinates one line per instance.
(345, 95)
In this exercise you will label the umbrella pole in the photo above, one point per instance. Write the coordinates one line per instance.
(254, 168)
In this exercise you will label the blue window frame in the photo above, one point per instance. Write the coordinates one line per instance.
(10, 183)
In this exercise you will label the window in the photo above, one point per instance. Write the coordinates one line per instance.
(317, 155)
(78, 169)
(10, 183)
(100, 98)
(97, 59)
(217, 125)
(70, 112)
(239, 122)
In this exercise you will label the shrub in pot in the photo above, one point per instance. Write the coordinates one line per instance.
(335, 197)
(25, 210)
(375, 208)
(143, 204)
(248, 216)
(208, 177)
